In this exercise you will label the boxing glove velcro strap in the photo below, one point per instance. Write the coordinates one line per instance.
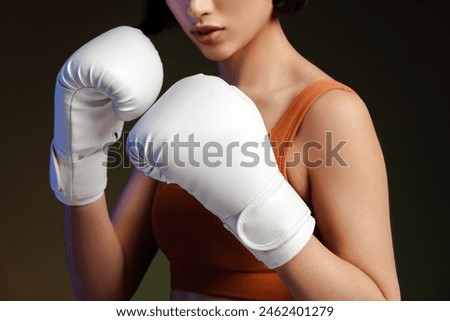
(87, 174)
(289, 249)
(275, 225)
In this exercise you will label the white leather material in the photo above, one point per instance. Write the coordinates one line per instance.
(84, 179)
(270, 218)
(276, 225)
(252, 198)
(291, 247)
(113, 78)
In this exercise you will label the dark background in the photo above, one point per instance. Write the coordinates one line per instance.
(393, 53)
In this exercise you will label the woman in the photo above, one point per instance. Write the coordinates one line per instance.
(350, 256)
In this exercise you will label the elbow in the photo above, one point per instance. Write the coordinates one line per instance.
(393, 296)
(392, 293)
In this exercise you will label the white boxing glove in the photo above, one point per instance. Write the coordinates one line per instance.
(207, 137)
(113, 78)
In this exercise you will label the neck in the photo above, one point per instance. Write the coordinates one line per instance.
(265, 60)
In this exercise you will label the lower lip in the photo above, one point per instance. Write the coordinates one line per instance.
(208, 38)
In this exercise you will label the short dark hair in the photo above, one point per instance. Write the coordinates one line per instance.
(157, 16)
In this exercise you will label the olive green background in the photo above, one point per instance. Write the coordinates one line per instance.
(395, 54)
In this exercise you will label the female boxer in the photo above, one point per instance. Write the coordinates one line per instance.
(341, 177)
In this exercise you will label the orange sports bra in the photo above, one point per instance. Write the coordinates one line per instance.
(204, 257)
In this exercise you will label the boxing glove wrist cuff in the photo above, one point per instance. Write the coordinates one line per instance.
(80, 182)
(288, 250)
(275, 225)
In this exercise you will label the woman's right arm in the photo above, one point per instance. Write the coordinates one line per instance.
(108, 256)
(97, 89)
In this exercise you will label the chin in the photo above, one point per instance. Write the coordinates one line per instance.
(215, 53)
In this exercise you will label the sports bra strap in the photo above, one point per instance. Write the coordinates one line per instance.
(288, 125)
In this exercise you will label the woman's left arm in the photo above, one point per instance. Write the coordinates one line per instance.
(349, 194)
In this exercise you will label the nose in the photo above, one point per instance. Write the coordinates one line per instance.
(199, 8)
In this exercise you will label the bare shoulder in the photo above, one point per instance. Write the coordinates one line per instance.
(338, 109)
(341, 118)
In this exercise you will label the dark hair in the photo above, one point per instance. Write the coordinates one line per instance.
(157, 16)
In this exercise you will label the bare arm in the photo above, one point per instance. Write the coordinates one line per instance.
(350, 203)
(108, 258)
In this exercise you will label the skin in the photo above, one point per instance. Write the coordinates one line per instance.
(107, 257)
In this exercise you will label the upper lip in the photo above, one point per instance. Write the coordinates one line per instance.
(204, 29)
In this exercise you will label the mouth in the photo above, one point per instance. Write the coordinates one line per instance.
(207, 34)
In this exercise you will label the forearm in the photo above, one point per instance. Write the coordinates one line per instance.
(94, 254)
(318, 274)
